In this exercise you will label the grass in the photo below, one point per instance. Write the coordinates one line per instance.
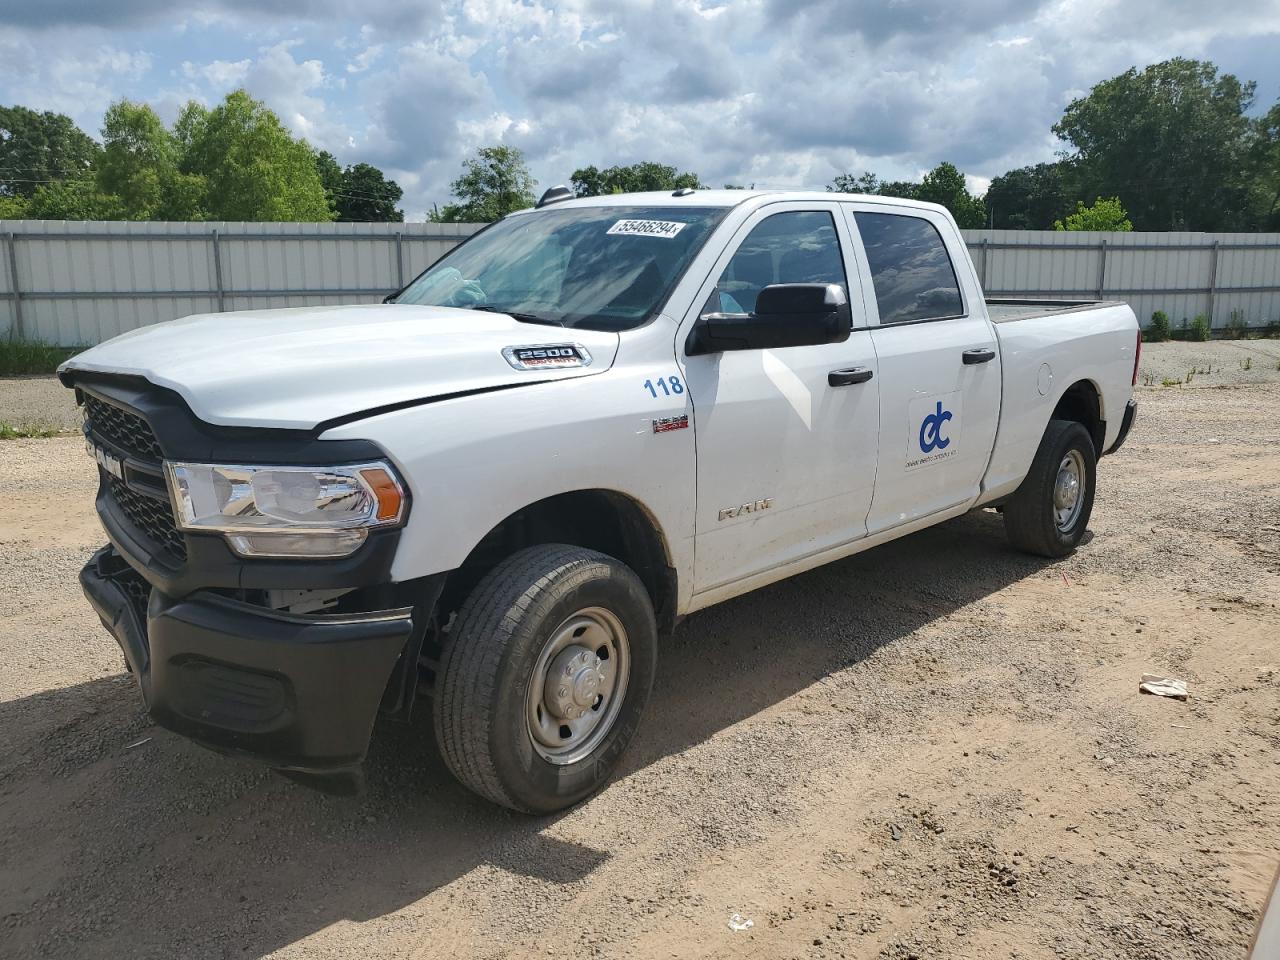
(28, 432)
(26, 357)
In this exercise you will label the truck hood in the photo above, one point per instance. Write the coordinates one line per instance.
(301, 367)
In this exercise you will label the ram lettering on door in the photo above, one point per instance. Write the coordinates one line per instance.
(933, 429)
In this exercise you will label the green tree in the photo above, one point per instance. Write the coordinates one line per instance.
(330, 178)
(903, 189)
(632, 178)
(849, 183)
(13, 208)
(1031, 198)
(366, 195)
(1170, 139)
(493, 183)
(39, 148)
(74, 200)
(1264, 158)
(139, 164)
(945, 184)
(254, 169)
(1100, 215)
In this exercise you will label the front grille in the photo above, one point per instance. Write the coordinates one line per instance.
(125, 431)
(152, 517)
(139, 495)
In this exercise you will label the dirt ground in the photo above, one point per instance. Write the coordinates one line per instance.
(936, 749)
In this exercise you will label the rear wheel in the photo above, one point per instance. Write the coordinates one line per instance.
(1050, 511)
(542, 682)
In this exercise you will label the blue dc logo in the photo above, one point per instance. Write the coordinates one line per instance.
(931, 437)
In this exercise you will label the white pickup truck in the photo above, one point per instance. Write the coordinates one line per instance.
(498, 488)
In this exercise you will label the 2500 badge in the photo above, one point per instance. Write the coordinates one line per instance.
(542, 355)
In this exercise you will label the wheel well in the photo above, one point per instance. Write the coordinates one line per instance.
(1082, 404)
(603, 520)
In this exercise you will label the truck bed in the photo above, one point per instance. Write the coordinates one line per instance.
(1006, 310)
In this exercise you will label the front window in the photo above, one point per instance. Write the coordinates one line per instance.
(602, 268)
(798, 246)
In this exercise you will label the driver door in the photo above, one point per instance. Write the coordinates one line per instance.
(786, 460)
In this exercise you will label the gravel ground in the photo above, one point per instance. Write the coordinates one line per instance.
(936, 749)
(37, 403)
(1224, 359)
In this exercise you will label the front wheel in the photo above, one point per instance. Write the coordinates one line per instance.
(544, 677)
(1050, 511)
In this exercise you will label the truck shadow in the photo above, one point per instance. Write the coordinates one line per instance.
(163, 849)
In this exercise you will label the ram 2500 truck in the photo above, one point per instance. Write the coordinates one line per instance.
(501, 486)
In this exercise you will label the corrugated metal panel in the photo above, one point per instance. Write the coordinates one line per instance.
(82, 283)
(1183, 274)
(86, 282)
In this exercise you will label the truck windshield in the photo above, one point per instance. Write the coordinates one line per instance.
(602, 268)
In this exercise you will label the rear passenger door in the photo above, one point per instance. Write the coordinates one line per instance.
(939, 370)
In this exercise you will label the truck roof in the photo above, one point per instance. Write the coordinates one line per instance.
(729, 198)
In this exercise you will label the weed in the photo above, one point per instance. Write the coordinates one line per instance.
(1190, 374)
(1246, 363)
(1158, 329)
(1201, 329)
(19, 357)
(1170, 382)
(8, 432)
(1149, 379)
(1236, 327)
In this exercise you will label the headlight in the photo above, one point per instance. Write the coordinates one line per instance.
(286, 511)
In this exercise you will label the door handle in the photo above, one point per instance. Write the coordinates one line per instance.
(849, 375)
(979, 355)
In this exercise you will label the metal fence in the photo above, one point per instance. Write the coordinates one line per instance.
(1183, 274)
(76, 283)
(80, 283)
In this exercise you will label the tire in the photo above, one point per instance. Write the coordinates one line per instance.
(545, 609)
(1036, 519)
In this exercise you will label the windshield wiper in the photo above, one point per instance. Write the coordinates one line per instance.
(522, 317)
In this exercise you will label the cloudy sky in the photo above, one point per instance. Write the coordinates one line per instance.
(772, 92)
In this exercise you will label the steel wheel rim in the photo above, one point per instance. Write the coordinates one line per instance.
(578, 684)
(1069, 491)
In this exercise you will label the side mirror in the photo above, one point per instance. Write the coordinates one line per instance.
(787, 315)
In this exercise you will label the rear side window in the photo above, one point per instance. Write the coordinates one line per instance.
(910, 268)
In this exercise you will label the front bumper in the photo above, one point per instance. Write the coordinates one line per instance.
(298, 692)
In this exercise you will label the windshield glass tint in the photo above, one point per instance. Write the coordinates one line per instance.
(605, 268)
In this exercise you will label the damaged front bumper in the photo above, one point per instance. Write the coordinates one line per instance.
(299, 692)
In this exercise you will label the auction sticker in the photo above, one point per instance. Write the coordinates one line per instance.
(665, 229)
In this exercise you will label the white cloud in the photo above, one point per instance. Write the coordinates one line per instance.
(364, 59)
(78, 81)
(776, 92)
(218, 73)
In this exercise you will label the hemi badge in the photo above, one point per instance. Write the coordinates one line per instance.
(667, 424)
